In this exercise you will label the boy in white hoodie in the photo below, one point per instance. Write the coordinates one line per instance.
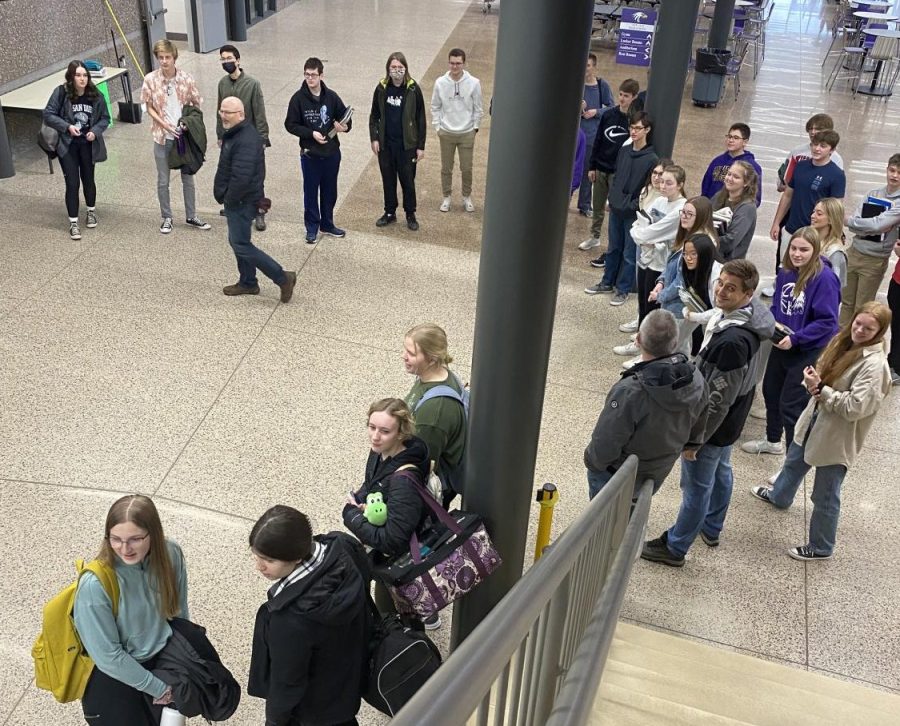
(456, 113)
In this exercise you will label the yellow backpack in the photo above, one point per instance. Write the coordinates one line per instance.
(61, 665)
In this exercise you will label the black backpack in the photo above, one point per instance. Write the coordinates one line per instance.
(400, 661)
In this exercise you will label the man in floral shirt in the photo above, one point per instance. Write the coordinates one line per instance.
(166, 91)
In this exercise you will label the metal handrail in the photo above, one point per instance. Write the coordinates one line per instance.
(576, 696)
(521, 650)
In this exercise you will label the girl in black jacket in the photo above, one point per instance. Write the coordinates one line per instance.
(397, 457)
(77, 111)
(310, 643)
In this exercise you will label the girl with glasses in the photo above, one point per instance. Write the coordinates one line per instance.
(124, 647)
(695, 222)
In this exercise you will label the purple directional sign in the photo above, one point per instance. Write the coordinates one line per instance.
(635, 36)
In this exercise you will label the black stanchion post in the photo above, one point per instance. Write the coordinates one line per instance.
(540, 45)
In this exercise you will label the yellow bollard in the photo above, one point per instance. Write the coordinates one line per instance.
(547, 496)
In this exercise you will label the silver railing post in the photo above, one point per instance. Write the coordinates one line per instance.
(551, 664)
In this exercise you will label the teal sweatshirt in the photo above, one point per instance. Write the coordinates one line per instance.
(119, 645)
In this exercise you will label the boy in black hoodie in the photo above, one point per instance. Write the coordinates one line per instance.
(612, 132)
(634, 163)
(314, 114)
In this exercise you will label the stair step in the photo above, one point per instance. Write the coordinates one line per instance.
(654, 678)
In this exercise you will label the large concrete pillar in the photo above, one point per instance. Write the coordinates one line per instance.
(723, 18)
(668, 70)
(541, 51)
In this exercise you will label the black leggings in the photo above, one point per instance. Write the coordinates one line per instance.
(646, 281)
(108, 702)
(784, 392)
(78, 165)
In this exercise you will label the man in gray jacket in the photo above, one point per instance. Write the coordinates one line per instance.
(652, 412)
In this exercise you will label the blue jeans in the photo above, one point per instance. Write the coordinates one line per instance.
(621, 255)
(826, 495)
(596, 481)
(320, 175)
(706, 486)
(249, 257)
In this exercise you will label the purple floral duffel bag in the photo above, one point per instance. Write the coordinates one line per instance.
(443, 564)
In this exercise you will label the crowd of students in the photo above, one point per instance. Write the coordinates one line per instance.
(820, 344)
(822, 360)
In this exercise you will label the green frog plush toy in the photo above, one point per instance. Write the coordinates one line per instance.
(376, 509)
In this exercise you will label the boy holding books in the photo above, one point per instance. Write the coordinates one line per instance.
(875, 225)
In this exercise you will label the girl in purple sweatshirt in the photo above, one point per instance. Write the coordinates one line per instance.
(805, 307)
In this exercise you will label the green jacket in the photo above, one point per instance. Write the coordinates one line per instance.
(440, 423)
(250, 92)
(194, 151)
(414, 124)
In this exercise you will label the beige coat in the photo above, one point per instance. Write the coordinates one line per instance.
(846, 411)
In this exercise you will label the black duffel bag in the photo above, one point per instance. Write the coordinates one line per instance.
(400, 661)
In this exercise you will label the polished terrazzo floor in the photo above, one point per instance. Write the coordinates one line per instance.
(123, 368)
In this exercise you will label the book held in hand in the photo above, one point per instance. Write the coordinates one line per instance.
(348, 114)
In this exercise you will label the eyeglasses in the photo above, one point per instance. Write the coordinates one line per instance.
(637, 127)
(223, 112)
(130, 542)
(733, 137)
(306, 74)
(687, 215)
(689, 255)
(658, 173)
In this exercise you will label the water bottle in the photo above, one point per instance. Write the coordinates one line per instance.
(171, 717)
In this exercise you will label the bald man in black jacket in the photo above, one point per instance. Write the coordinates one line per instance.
(239, 186)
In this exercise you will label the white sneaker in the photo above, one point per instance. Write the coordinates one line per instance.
(630, 327)
(589, 243)
(467, 203)
(758, 412)
(762, 446)
(631, 363)
(627, 349)
(768, 291)
(445, 205)
(771, 480)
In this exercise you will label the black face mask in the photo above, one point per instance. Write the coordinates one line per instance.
(229, 67)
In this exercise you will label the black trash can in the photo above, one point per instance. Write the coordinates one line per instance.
(710, 66)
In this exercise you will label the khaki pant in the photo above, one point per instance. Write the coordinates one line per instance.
(465, 145)
(600, 193)
(864, 276)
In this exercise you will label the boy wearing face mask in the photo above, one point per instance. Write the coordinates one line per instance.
(238, 84)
